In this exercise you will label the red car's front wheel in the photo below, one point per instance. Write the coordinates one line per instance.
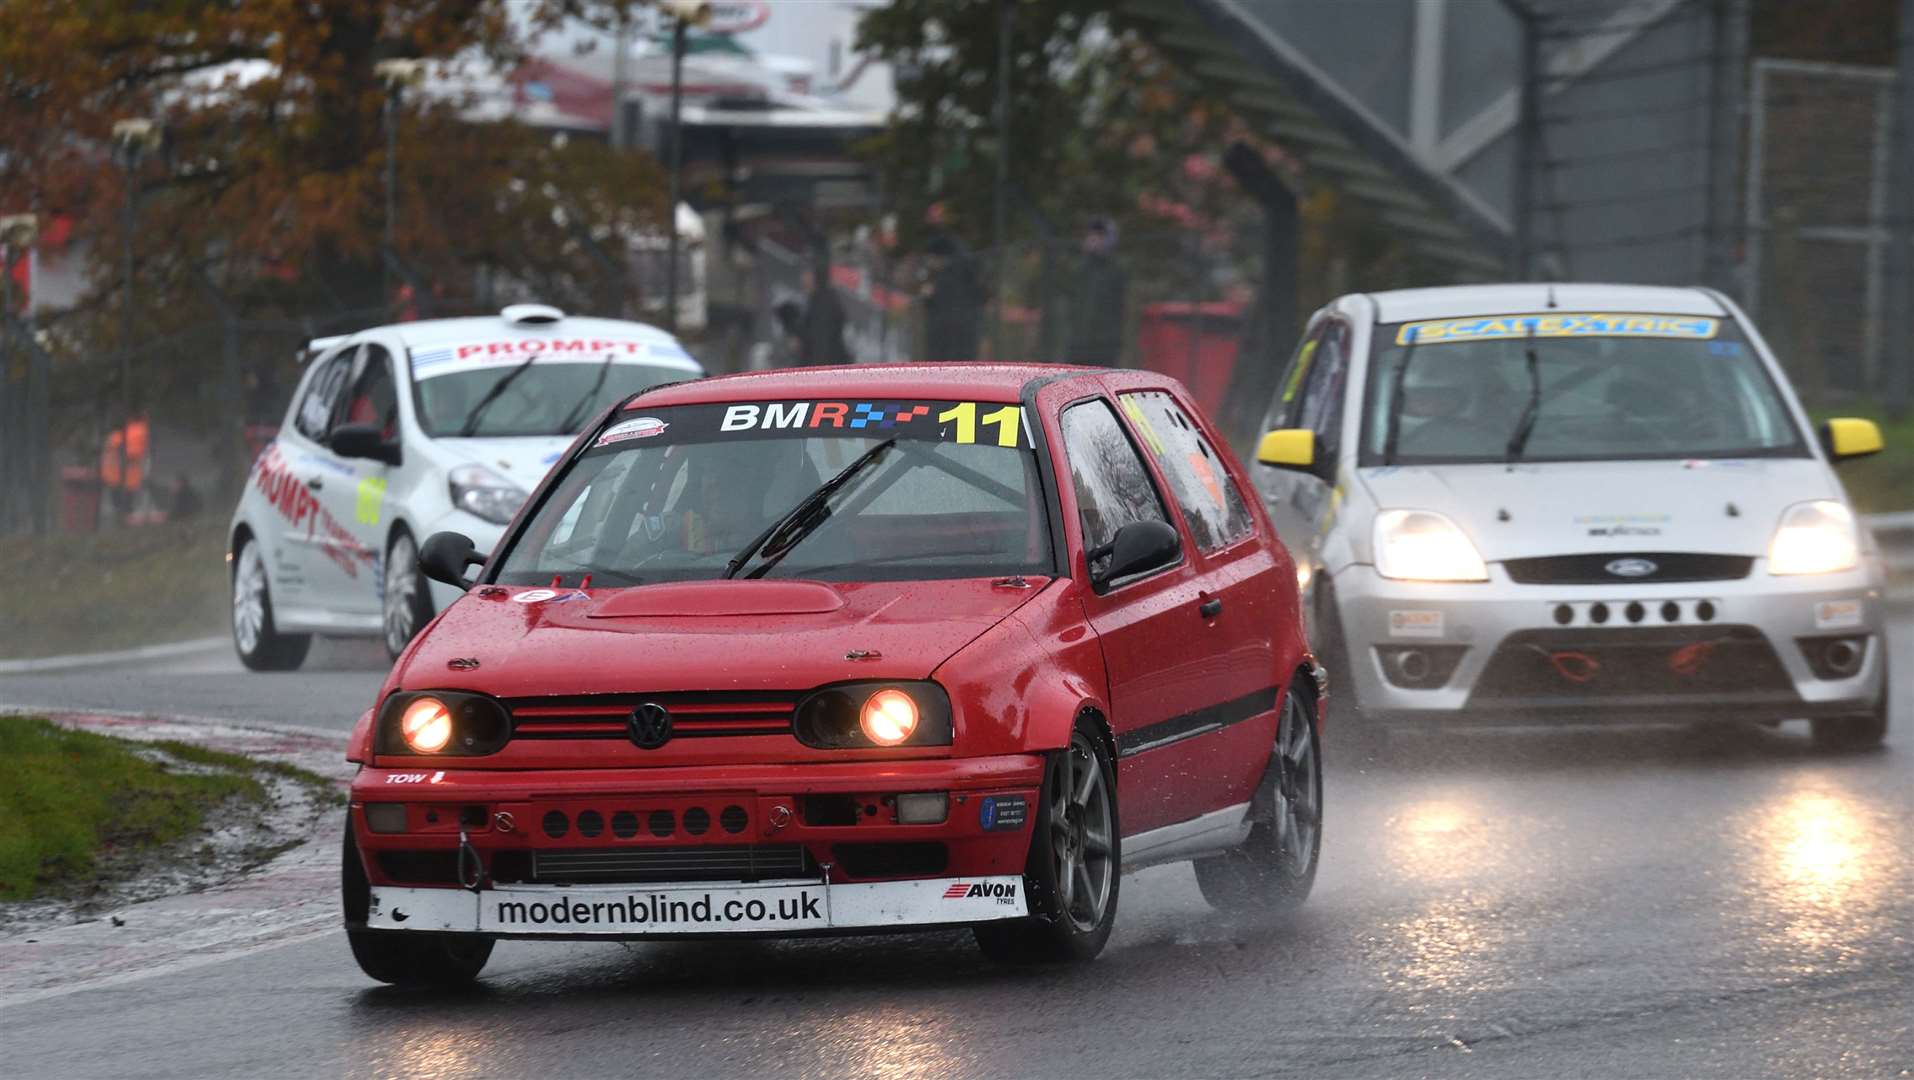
(404, 958)
(1075, 862)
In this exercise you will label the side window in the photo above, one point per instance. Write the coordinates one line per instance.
(1320, 408)
(1289, 389)
(322, 394)
(1198, 478)
(1113, 488)
(374, 397)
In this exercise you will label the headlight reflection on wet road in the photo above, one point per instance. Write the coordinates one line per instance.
(1821, 865)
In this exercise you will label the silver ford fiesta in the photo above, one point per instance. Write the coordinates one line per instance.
(1569, 503)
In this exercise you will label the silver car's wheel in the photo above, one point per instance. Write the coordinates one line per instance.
(1276, 867)
(407, 606)
(257, 641)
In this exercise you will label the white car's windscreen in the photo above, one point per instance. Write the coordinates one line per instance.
(1449, 393)
(534, 396)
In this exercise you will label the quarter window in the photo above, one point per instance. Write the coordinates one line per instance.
(1113, 488)
(1198, 478)
(322, 394)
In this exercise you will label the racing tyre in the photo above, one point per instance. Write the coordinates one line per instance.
(1342, 713)
(1276, 867)
(1075, 861)
(400, 957)
(1864, 732)
(261, 647)
(407, 602)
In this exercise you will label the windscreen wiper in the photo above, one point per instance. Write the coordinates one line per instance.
(572, 415)
(1520, 437)
(805, 514)
(499, 387)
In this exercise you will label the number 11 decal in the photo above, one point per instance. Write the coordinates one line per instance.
(1006, 420)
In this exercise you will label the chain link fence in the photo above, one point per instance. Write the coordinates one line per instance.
(1816, 220)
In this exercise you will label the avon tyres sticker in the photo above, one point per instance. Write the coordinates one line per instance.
(1575, 325)
(964, 422)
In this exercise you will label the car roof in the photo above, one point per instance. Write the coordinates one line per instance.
(978, 381)
(1463, 301)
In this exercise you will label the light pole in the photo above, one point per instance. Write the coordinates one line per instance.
(1000, 188)
(683, 13)
(133, 139)
(396, 74)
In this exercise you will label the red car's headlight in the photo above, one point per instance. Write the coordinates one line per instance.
(442, 723)
(874, 714)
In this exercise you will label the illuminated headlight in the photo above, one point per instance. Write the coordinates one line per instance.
(443, 723)
(1418, 545)
(485, 494)
(850, 716)
(1814, 538)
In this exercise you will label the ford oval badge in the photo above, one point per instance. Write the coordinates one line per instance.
(1632, 568)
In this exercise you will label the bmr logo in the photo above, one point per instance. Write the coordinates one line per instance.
(1002, 892)
(777, 415)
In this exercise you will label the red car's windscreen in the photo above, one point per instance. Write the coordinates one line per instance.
(912, 490)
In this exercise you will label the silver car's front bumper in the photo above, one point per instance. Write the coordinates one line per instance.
(1755, 648)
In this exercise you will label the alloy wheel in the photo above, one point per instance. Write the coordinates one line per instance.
(1081, 835)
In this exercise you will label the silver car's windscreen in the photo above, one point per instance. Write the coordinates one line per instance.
(1570, 387)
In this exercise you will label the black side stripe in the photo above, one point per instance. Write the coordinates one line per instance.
(1201, 722)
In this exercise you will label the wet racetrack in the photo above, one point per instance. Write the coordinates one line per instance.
(1648, 902)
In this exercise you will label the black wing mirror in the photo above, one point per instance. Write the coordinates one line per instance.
(1137, 547)
(363, 441)
(445, 557)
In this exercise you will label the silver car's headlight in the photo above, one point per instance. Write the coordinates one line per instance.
(1814, 538)
(485, 494)
(1420, 545)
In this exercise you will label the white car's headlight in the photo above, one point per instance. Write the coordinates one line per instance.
(484, 493)
(1418, 545)
(1814, 538)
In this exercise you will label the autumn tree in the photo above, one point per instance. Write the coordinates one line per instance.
(264, 200)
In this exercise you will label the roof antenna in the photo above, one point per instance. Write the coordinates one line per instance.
(1551, 296)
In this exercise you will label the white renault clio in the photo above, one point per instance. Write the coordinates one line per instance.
(1561, 503)
(399, 432)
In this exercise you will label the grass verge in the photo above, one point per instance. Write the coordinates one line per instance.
(112, 590)
(71, 799)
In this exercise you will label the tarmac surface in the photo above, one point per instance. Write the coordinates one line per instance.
(1600, 902)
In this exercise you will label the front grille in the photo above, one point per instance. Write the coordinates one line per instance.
(420, 867)
(1592, 568)
(729, 862)
(693, 715)
(1718, 662)
(916, 858)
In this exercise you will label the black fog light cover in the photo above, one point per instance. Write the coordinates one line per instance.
(480, 724)
(828, 718)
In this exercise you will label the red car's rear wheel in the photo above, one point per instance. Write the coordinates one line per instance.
(1276, 867)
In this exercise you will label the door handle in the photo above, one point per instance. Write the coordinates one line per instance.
(1210, 608)
(315, 483)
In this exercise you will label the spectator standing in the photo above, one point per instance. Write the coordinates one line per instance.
(821, 330)
(953, 294)
(1096, 307)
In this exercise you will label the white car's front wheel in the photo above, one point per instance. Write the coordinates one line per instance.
(408, 603)
(261, 647)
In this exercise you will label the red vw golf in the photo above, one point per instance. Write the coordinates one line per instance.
(840, 650)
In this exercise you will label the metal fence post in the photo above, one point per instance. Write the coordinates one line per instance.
(1900, 305)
